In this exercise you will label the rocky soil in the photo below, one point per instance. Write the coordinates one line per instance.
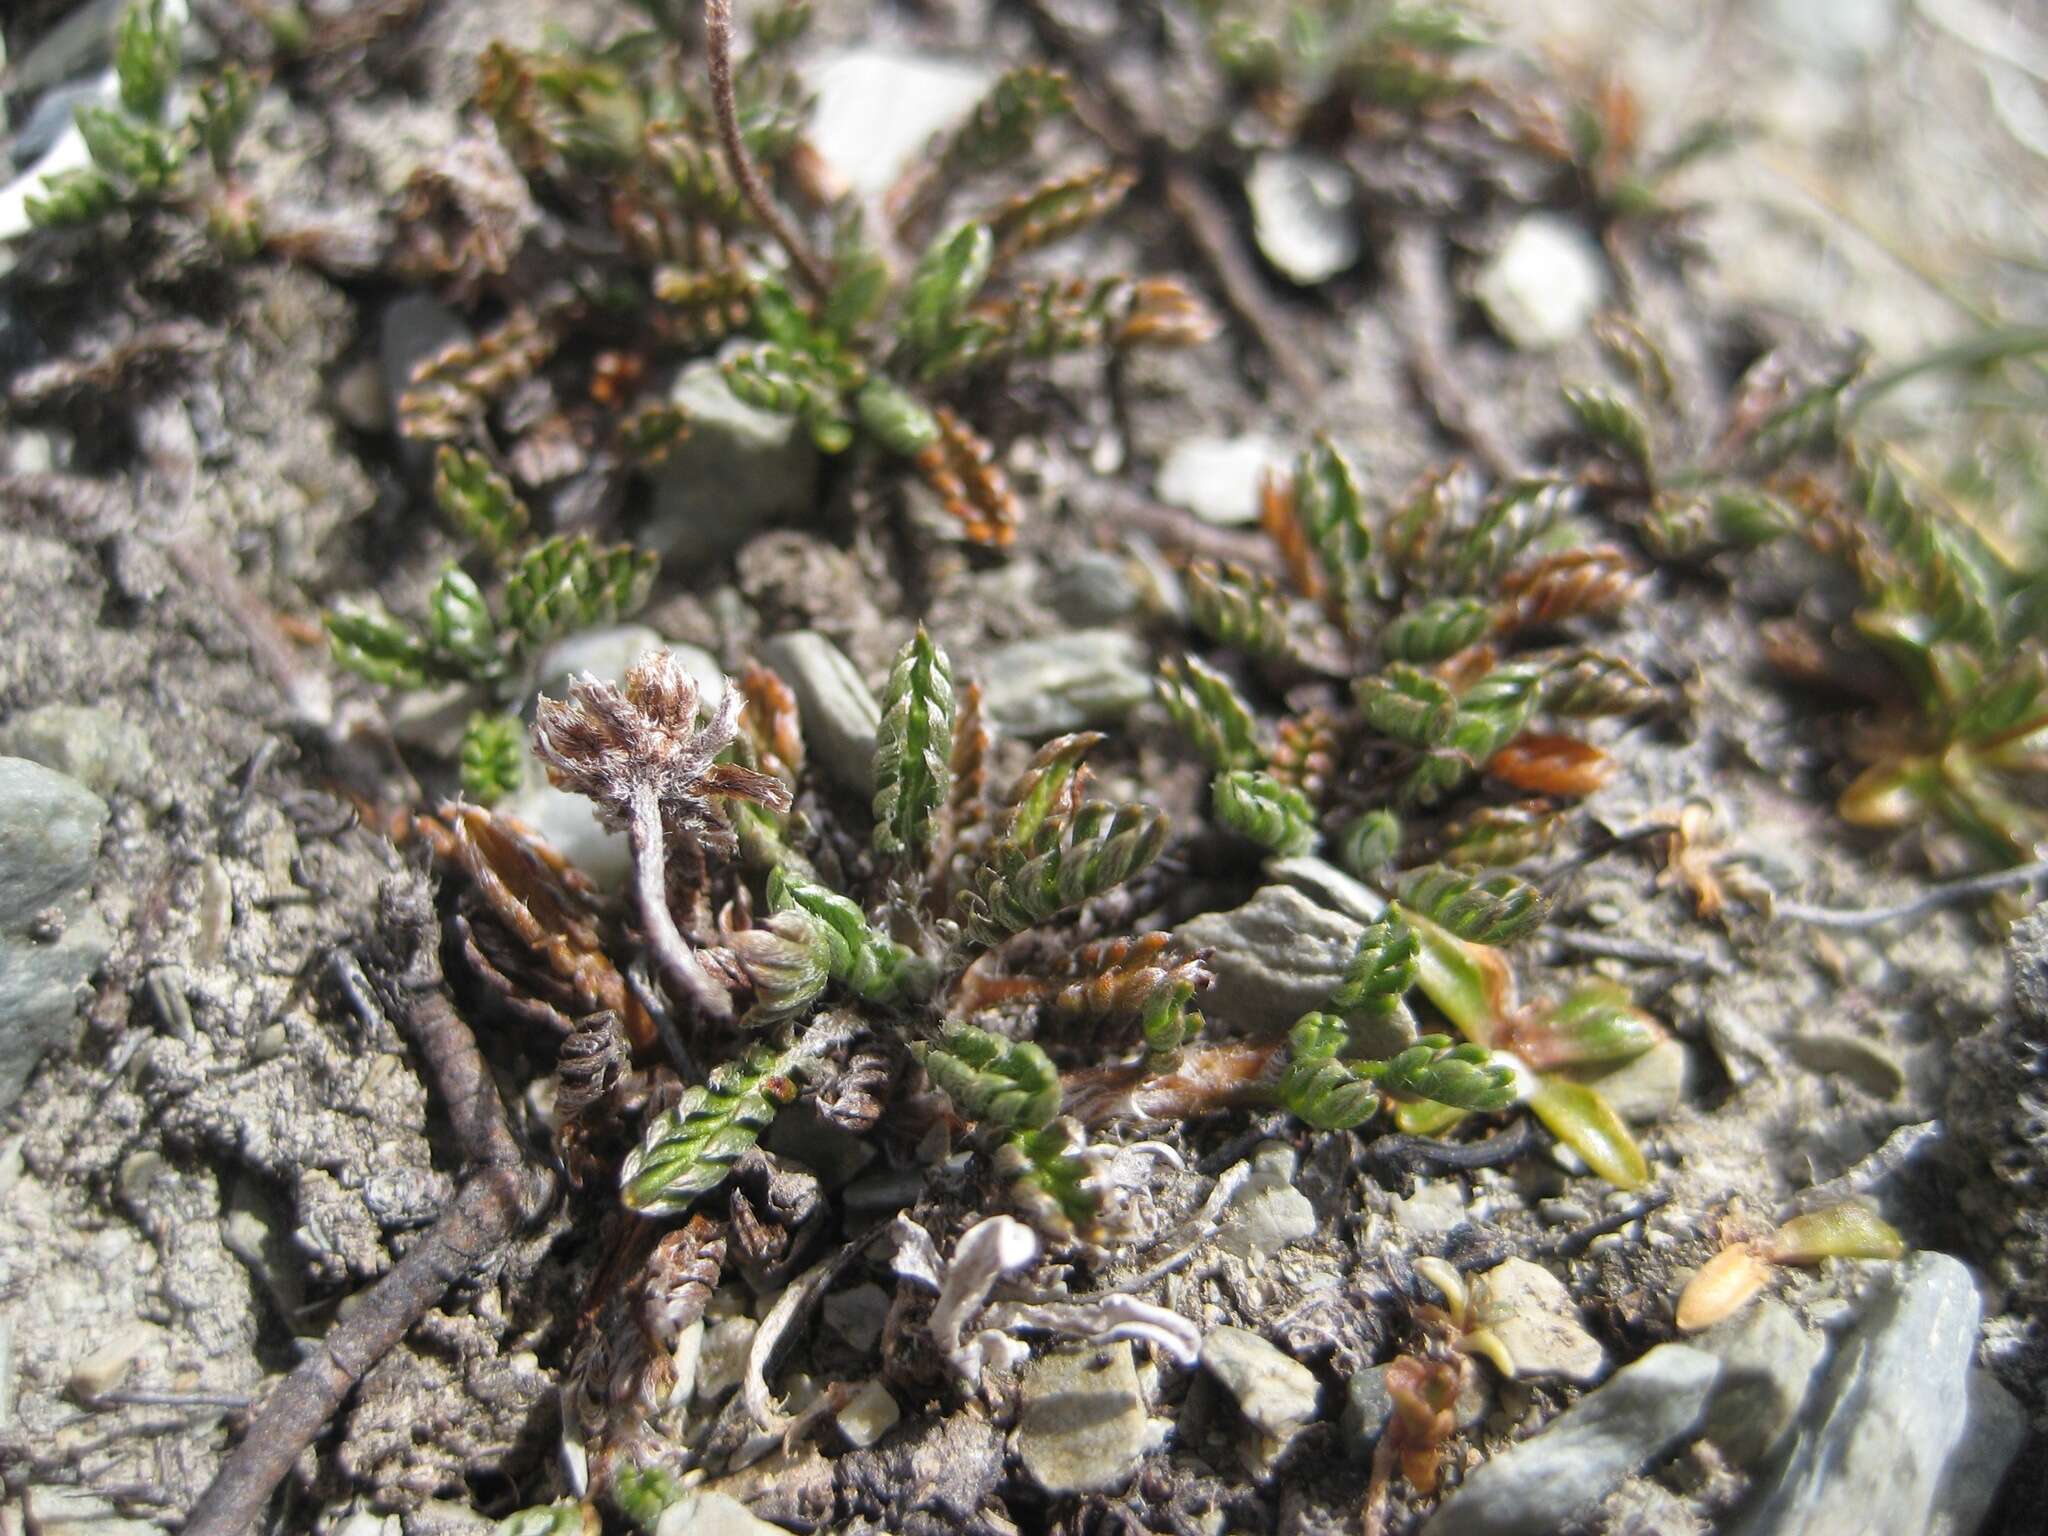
(209, 1140)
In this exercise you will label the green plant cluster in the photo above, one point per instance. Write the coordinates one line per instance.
(144, 153)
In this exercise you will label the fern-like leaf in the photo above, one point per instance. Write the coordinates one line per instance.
(1211, 713)
(568, 583)
(1141, 979)
(912, 745)
(1318, 1089)
(479, 501)
(1495, 910)
(492, 757)
(688, 1150)
(1255, 805)
(1441, 627)
(1011, 1084)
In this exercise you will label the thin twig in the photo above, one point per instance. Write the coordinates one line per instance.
(1406, 1156)
(1423, 318)
(1593, 852)
(1579, 1239)
(502, 1196)
(1110, 114)
(1949, 895)
(718, 48)
(1610, 946)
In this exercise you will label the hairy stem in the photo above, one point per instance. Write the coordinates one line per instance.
(678, 960)
(718, 45)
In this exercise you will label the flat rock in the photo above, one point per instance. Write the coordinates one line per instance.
(878, 108)
(1087, 677)
(51, 939)
(1218, 478)
(738, 471)
(1082, 1428)
(1541, 287)
(839, 713)
(701, 1512)
(1768, 1363)
(1304, 214)
(1276, 958)
(1651, 1087)
(1273, 1392)
(1873, 1451)
(1529, 1310)
(870, 1414)
(1563, 1472)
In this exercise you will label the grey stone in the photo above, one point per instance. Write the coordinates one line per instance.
(1436, 1209)
(1651, 1087)
(1768, 1362)
(1992, 1436)
(605, 653)
(1863, 1062)
(1082, 1428)
(1038, 688)
(722, 1357)
(1268, 1214)
(1539, 1485)
(877, 109)
(1541, 287)
(702, 1512)
(839, 713)
(1871, 1455)
(1304, 214)
(1842, 35)
(1327, 885)
(738, 470)
(1276, 958)
(1276, 1394)
(51, 940)
(1093, 587)
(1529, 1310)
(1218, 478)
(857, 1315)
(94, 746)
(412, 329)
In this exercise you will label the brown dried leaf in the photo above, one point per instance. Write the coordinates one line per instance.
(1551, 765)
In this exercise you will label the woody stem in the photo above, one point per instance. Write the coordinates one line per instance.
(679, 962)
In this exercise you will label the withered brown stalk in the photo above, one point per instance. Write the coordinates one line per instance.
(502, 1195)
(718, 47)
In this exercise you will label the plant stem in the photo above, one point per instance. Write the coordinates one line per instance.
(718, 45)
(678, 960)
(1941, 896)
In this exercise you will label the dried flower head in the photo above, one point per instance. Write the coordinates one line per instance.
(611, 745)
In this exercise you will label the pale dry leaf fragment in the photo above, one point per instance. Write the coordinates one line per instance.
(1724, 1285)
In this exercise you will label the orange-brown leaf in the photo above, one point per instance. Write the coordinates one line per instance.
(1551, 765)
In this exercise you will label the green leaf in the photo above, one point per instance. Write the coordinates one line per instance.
(1510, 523)
(568, 583)
(1847, 1231)
(478, 501)
(1496, 835)
(1276, 816)
(460, 628)
(72, 197)
(493, 756)
(1007, 1083)
(1598, 1024)
(222, 112)
(912, 745)
(1408, 704)
(146, 55)
(1318, 1089)
(564, 1517)
(1580, 1118)
(772, 378)
(860, 283)
(1614, 423)
(138, 153)
(895, 418)
(1384, 965)
(1369, 842)
(1330, 507)
(1042, 787)
(1055, 1173)
(688, 1150)
(1461, 1076)
(1441, 627)
(1210, 713)
(788, 959)
(868, 963)
(1587, 683)
(373, 644)
(1003, 122)
(946, 280)
(1070, 860)
(1242, 608)
(1495, 910)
